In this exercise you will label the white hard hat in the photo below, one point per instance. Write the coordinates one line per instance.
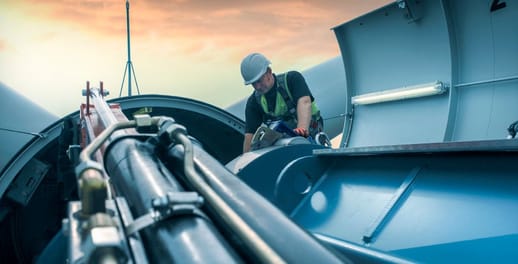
(253, 67)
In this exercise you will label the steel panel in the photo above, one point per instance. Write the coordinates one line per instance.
(462, 200)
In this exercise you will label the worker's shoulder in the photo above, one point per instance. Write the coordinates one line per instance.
(295, 79)
(293, 75)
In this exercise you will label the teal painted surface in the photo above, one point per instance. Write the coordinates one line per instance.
(455, 199)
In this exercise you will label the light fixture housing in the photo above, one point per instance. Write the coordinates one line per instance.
(407, 92)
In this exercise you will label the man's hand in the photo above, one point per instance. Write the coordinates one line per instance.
(301, 131)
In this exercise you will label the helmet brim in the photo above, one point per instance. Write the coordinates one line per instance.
(257, 77)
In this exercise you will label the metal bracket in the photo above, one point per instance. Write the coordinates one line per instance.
(171, 204)
(390, 208)
(412, 9)
(28, 181)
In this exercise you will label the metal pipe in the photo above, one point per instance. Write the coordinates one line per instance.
(509, 78)
(268, 222)
(87, 98)
(137, 174)
(140, 177)
(254, 242)
(102, 108)
(99, 140)
(129, 48)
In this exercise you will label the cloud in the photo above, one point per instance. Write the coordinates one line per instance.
(206, 27)
(190, 45)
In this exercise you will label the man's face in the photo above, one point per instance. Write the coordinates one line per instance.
(265, 83)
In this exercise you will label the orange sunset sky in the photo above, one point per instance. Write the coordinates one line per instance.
(50, 48)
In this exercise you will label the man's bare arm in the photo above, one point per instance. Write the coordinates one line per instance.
(247, 142)
(304, 112)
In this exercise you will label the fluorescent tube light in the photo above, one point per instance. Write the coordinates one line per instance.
(400, 93)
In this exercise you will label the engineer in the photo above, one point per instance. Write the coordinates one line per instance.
(283, 96)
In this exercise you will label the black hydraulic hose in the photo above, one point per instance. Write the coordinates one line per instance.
(137, 175)
(260, 248)
(290, 242)
(140, 177)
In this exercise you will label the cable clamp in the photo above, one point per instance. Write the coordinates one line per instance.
(171, 204)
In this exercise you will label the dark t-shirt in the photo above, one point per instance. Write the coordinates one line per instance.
(254, 112)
